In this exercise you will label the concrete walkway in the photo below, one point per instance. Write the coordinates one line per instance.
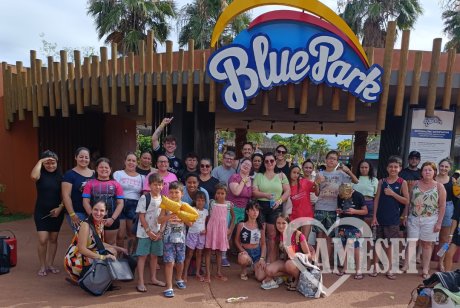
(22, 287)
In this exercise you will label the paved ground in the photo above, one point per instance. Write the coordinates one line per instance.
(22, 287)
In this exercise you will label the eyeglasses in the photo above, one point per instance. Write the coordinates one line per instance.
(228, 158)
(269, 161)
(247, 165)
(162, 162)
(281, 152)
(205, 166)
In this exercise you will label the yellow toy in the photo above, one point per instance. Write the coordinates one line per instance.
(183, 211)
(456, 189)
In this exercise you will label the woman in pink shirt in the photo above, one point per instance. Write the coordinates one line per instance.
(168, 177)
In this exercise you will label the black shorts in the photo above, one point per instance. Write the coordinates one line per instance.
(269, 214)
(114, 226)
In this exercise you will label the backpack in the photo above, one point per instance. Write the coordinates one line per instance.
(148, 199)
(5, 257)
(312, 250)
(192, 268)
(228, 210)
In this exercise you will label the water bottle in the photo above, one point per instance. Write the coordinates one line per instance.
(443, 250)
(272, 201)
(374, 233)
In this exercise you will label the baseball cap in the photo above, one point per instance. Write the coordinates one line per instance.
(414, 154)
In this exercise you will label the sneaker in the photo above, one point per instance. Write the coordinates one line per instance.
(279, 280)
(225, 262)
(271, 284)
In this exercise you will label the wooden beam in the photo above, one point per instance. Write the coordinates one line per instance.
(29, 89)
(169, 85)
(265, 99)
(253, 101)
(416, 78)
(71, 78)
(449, 77)
(190, 55)
(95, 80)
(202, 75)
(33, 56)
(370, 59)
(57, 84)
(19, 82)
(212, 91)
(113, 107)
(5, 95)
(399, 103)
(45, 90)
(38, 70)
(78, 76)
(86, 82)
(387, 60)
(278, 94)
(351, 107)
(64, 96)
(433, 80)
(320, 94)
(159, 80)
(123, 79)
(105, 80)
(140, 108)
(51, 83)
(23, 88)
(180, 70)
(132, 88)
(291, 96)
(149, 96)
(304, 96)
(336, 99)
(15, 92)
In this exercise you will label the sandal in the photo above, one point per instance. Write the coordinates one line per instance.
(425, 276)
(291, 288)
(221, 277)
(141, 289)
(53, 270)
(207, 280)
(288, 282)
(199, 278)
(340, 273)
(359, 276)
(418, 261)
(158, 283)
(244, 276)
(184, 278)
(440, 269)
(391, 276)
(42, 273)
(374, 274)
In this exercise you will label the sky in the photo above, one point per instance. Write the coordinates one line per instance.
(66, 23)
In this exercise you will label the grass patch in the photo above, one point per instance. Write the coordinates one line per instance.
(13, 217)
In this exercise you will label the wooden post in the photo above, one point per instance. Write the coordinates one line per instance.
(278, 93)
(370, 59)
(336, 99)
(149, 98)
(57, 84)
(304, 96)
(320, 94)
(33, 56)
(291, 96)
(24, 90)
(202, 71)
(253, 101)
(51, 83)
(9, 74)
(78, 92)
(105, 80)
(29, 89)
(387, 59)
(265, 99)
(64, 101)
(180, 70)
(17, 90)
(14, 93)
(95, 80)
(71, 78)
(113, 107)
(169, 85)
(190, 54)
(123, 79)
(45, 86)
(351, 106)
(140, 108)
(416, 78)
(212, 91)
(86, 82)
(19, 82)
(159, 79)
(38, 70)
(432, 82)
(5, 96)
(132, 88)
(359, 147)
(402, 73)
(449, 76)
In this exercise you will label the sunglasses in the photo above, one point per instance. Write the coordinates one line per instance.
(205, 166)
(162, 162)
(269, 161)
(281, 152)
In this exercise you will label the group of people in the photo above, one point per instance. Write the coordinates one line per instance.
(240, 206)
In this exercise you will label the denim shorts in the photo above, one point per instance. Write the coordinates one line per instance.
(129, 210)
(254, 254)
(447, 219)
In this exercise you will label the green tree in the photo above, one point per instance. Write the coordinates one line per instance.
(320, 147)
(144, 142)
(277, 138)
(50, 49)
(368, 18)
(255, 138)
(125, 22)
(196, 21)
(301, 141)
(452, 29)
(344, 145)
(371, 138)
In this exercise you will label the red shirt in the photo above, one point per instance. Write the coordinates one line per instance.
(301, 204)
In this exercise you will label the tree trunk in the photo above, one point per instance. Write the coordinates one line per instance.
(374, 36)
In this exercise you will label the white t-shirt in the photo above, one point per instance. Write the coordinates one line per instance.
(200, 224)
(132, 186)
(151, 215)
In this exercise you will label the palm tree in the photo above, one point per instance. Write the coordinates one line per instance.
(196, 21)
(344, 145)
(368, 18)
(125, 22)
(452, 29)
(321, 147)
(255, 138)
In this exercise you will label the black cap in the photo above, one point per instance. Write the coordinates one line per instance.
(414, 154)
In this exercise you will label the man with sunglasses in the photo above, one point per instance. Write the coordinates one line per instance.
(247, 151)
(191, 163)
(282, 165)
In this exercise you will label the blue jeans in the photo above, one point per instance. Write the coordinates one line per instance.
(254, 254)
(82, 216)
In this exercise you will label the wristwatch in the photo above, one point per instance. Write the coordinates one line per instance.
(147, 230)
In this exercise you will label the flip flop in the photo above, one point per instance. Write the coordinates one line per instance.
(169, 293)
(53, 270)
(374, 274)
(158, 267)
(391, 276)
(244, 277)
(426, 276)
(418, 261)
(340, 273)
(199, 278)
(141, 289)
(440, 269)
(207, 280)
(42, 273)
(361, 276)
(158, 284)
(184, 278)
(291, 289)
(221, 277)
